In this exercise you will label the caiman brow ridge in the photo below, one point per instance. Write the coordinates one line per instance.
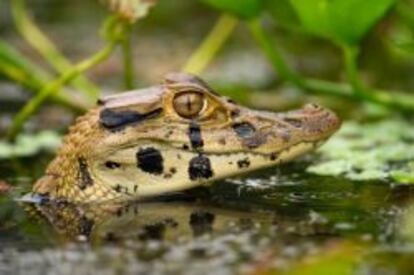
(116, 121)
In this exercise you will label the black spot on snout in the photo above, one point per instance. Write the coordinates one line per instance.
(243, 163)
(112, 165)
(194, 134)
(150, 160)
(244, 129)
(84, 177)
(116, 121)
(274, 156)
(200, 168)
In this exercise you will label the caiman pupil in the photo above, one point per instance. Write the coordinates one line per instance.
(189, 104)
(173, 137)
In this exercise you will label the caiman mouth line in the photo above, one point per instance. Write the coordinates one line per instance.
(155, 142)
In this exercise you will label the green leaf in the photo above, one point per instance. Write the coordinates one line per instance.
(244, 9)
(344, 21)
(16, 67)
(283, 13)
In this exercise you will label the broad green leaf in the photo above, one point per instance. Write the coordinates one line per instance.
(344, 21)
(283, 13)
(244, 9)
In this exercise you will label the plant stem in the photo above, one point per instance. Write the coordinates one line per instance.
(350, 55)
(397, 100)
(128, 60)
(272, 52)
(33, 83)
(39, 41)
(209, 47)
(55, 85)
(16, 67)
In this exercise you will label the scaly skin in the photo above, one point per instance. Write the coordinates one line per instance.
(172, 137)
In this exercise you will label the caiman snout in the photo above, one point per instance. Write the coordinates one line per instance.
(315, 122)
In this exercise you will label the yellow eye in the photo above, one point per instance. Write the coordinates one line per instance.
(189, 104)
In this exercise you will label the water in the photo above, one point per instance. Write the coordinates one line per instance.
(272, 219)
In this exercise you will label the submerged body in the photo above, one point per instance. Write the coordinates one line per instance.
(173, 137)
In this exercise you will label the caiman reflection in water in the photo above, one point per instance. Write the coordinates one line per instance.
(154, 220)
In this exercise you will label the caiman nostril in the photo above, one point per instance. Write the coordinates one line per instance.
(312, 107)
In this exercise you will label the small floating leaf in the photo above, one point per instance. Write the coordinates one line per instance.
(28, 145)
(370, 151)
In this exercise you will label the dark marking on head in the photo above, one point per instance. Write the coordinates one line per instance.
(222, 141)
(171, 172)
(150, 160)
(116, 121)
(185, 147)
(135, 188)
(179, 156)
(117, 188)
(84, 177)
(243, 163)
(229, 100)
(294, 122)
(194, 134)
(255, 141)
(112, 165)
(168, 134)
(235, 113)
(200, 168)
(244, 129)
(273, 156)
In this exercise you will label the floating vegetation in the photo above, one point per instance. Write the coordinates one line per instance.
(370, 151)
(30, 144)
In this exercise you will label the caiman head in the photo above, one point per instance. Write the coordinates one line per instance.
(172, 137)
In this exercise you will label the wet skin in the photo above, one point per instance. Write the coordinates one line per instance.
(172, 137)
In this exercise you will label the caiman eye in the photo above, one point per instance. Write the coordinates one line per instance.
(189, 104)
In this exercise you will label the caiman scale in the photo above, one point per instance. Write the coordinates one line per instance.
(173, 137)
